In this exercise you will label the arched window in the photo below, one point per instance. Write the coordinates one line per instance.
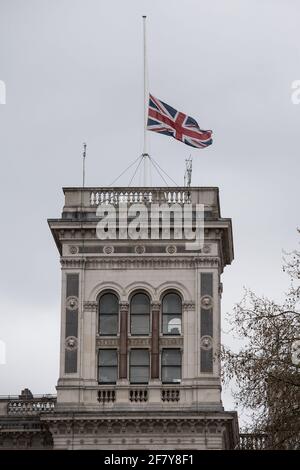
(171, 314)
(140, 314)
(108, 314)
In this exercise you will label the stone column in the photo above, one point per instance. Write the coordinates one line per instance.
(124, 306)
(155, 340)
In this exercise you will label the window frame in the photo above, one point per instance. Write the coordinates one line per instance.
(163, 366)
(104, 314)
(139, 365)
(132, 315)
(164, 314)
(116, 366)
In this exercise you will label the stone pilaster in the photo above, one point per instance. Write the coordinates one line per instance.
(124, 307)
(155, 306)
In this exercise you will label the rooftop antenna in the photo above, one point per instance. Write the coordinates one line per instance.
(188, 172)
(83, 164)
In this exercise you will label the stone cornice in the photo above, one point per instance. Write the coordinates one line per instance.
(109, 426)
(73, 263)
(140, 263)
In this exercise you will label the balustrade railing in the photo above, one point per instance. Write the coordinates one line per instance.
(138, 395)
(137, 196)
(106, 396)
(170, 395)
(253, 441)
(24, 407)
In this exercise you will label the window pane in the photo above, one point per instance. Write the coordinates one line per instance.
(139, 374)
(108, 324)
(108, 374)
(171, 357)
(140, 304)
(172, 324)
(108, 357)
(171, 303)
(140, 324)
(109, 304)
(139, 357)
(171, 374)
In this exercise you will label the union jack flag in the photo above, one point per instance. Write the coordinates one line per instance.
(166, 120)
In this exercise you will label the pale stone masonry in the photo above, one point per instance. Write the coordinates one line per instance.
(140, 330)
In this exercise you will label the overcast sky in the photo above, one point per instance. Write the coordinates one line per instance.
(73, 73)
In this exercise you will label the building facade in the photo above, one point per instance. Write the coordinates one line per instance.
(140, 323)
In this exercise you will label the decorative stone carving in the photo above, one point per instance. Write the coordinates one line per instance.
(74, 263)
(72, 303)
(111, 342)
(133, 342)
(102, 427)
(171, 249)
(207, 261)
(206, 302)
(206, 249)
(108, 249)
(71, 343)
(140, 249)
(188, 305)
(73, 249)
(206, 343)
(164, 341)
(173, 262)
(90, 306)
(124, 306)
(155, 305)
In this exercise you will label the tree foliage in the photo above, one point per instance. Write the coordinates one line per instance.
(267, 367)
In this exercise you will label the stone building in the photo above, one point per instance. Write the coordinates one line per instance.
(140, 331)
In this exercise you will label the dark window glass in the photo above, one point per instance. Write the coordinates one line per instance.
(108, 366)
(108, 315)
(171, 314)
(139, 366)
(140, 315)
(171, 366)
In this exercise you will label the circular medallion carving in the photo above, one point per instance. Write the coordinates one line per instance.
(171, 249)
(73, 249)
(108, 249)
(72, 303)
(206, 301)
(140, 249)
(206, 249)
(71, 343)
(206, 343)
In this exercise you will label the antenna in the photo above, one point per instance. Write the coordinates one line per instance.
(83, 164)
(188, 172)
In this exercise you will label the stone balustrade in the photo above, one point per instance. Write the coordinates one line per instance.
(29, 407)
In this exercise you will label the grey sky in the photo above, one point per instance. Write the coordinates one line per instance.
(73, 72)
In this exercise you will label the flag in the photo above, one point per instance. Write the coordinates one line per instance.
(166, 120)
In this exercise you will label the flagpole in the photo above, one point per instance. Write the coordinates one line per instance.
(145, 154)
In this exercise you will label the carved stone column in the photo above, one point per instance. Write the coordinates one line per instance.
(124, 306)
(155, 340)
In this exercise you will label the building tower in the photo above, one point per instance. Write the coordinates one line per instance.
(140, 325)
